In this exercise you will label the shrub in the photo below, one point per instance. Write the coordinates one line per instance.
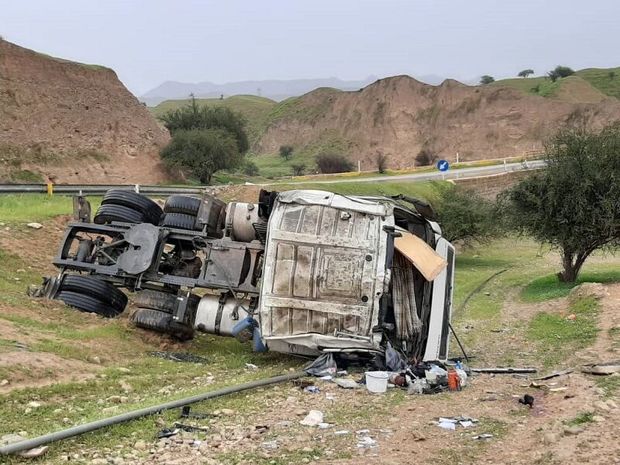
(560, 72)
(333, 163)
(250, 168)
(381, 161)
(286, 151)
(425, 158)
(298, 169)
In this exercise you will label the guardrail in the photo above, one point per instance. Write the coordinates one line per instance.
(97, 189)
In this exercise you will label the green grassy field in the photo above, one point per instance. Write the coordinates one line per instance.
(607, 80)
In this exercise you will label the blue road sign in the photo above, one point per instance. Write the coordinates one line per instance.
(443, 165)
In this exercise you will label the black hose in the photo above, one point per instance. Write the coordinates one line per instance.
(81, 429)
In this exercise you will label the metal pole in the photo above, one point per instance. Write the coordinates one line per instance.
(81, 429)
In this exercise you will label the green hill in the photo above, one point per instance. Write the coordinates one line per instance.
(607, 80)
(255, 109)
(585, 86)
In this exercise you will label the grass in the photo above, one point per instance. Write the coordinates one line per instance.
(607, 80)
(550, 287)
(26, 208)
(558, 337)
(581, 419)
(609, 384)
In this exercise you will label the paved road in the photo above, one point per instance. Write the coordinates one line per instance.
(436, 175)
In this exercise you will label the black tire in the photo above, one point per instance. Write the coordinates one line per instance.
(161, 322)
(110, 212)
(151, 211)
(162, 301)
(87, 303)
(180, 221)
(101, 290)
(182, 204)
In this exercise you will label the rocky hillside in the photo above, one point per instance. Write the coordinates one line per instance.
(72, 122)
(399, 116)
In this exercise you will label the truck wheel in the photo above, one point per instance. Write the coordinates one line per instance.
(110, 212)
(182, 204)
(93, 287)
(87, 303)
(180, 221)
(161, 322)
(151, 211)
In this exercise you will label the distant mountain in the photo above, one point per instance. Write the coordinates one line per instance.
(273, 89)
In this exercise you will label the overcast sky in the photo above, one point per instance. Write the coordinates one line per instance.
(150, 41)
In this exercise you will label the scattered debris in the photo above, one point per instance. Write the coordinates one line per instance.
(190, 428)
(450, 423)
(35, 225)
(179, 357)
(555, 374)
(573, 430)
(322, 366)
(167, 432)
(346, 383)
(482, 437)
(507, 370)
(251, 366)
(313, 418)
(186, 412)
(366, 442)
(312, 389)
(527, 400)
(605, 368)
(342, 432)
(270, 445)
(30, 453)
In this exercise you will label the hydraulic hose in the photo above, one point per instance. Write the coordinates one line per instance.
(95, 425)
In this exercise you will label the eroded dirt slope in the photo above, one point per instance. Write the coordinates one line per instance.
(399, 116)
(73, 122)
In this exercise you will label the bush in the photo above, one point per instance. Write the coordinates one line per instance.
(486, 79)
(560, 72)
(466, 216)
(250, 168)
(298, 169)
(333, 163)
(286, 151)
(381, 161)
(425, 158)
(199, 153)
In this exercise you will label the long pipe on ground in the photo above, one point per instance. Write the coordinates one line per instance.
(95, 425)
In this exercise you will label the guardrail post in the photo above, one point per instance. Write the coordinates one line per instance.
(136, 188)
(50, 189)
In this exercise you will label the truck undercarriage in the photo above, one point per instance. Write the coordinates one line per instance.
(298, 272)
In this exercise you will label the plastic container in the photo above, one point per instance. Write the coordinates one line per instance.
(453, 381)
(376, 381)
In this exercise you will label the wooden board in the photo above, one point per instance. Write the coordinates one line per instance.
(420, 254)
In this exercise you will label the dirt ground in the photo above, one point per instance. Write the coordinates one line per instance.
(263, 426)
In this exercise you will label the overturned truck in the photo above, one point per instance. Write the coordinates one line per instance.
(300, 272)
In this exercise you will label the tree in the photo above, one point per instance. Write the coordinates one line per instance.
(486, 79)
(560, 72)
(298, 169)
(525, 73)
(286, 151)
(574, 203)
(466, 216)
(195, 116)
(333, 163)
(425, 157)
(381, 161)
(204, 140)
(611, 75)
(201, 152)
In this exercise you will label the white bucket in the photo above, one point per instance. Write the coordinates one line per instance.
(376, 381)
